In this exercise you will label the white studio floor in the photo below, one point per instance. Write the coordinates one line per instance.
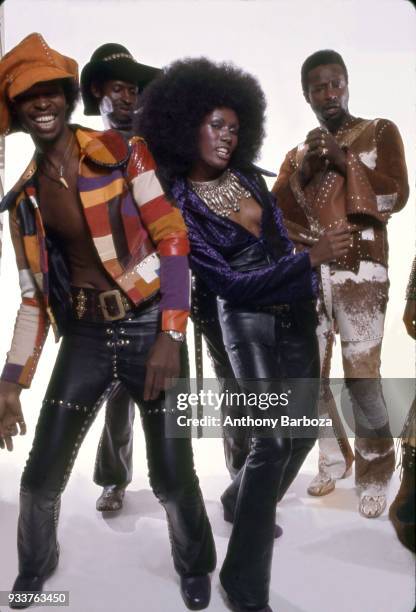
(329, 559)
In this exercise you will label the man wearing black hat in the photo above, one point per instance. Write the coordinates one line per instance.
(111, 83)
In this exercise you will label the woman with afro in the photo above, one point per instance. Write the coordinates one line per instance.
(204, 123)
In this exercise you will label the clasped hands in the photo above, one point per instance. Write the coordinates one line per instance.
(322, 150)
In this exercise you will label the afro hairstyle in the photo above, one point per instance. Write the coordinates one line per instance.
(175, 104)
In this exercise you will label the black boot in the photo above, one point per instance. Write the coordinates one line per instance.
(196, 591)
(26, 584)
(237, 607)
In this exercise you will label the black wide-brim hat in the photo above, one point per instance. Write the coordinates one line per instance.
(112, 62)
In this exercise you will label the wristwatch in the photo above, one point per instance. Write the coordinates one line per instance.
(175, 335)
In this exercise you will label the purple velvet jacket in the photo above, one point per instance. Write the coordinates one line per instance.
(216, 240)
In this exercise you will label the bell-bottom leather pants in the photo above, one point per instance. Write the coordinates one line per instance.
(93, 356)
(236, 440)
(267, 347)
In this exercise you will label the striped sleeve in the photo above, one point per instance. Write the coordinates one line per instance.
(167, 230)
(32, 323)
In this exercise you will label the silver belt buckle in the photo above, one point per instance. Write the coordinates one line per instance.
(113, 293)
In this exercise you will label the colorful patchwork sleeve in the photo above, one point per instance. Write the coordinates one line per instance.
(32, 323)
(168, 232)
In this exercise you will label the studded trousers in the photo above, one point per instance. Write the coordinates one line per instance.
(91, 359)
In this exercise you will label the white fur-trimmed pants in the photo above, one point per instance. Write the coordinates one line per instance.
(358, 303)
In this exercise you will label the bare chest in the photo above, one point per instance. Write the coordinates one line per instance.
(60, 206)
(249, 216)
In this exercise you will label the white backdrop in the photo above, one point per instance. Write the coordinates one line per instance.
(270, 39)
(377, 39)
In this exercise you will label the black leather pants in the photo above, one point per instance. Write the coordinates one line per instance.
(204, 310)
(90, 359)
(236, 440)
(266, 347)
(114, 461)
(113, 465)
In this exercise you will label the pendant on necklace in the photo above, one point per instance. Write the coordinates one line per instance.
(62, 178)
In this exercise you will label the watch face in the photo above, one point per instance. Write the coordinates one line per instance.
(175, 335)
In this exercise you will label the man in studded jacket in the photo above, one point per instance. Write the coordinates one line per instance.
(349, 171)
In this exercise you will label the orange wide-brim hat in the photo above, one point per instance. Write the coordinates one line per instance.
(31, 61)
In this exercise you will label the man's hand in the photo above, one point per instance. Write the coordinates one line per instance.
(311, 164)
(409, 318)
(11, 415)
(162, 366)
(322, 149)
(330, 246)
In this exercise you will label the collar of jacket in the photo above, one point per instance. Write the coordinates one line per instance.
(104, 149)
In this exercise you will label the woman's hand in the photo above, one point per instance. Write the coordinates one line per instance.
(330, 246)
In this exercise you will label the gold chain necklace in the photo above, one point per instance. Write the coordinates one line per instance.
(222, 195)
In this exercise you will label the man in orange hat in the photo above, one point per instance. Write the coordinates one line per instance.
(111, 83)
(102, 258)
